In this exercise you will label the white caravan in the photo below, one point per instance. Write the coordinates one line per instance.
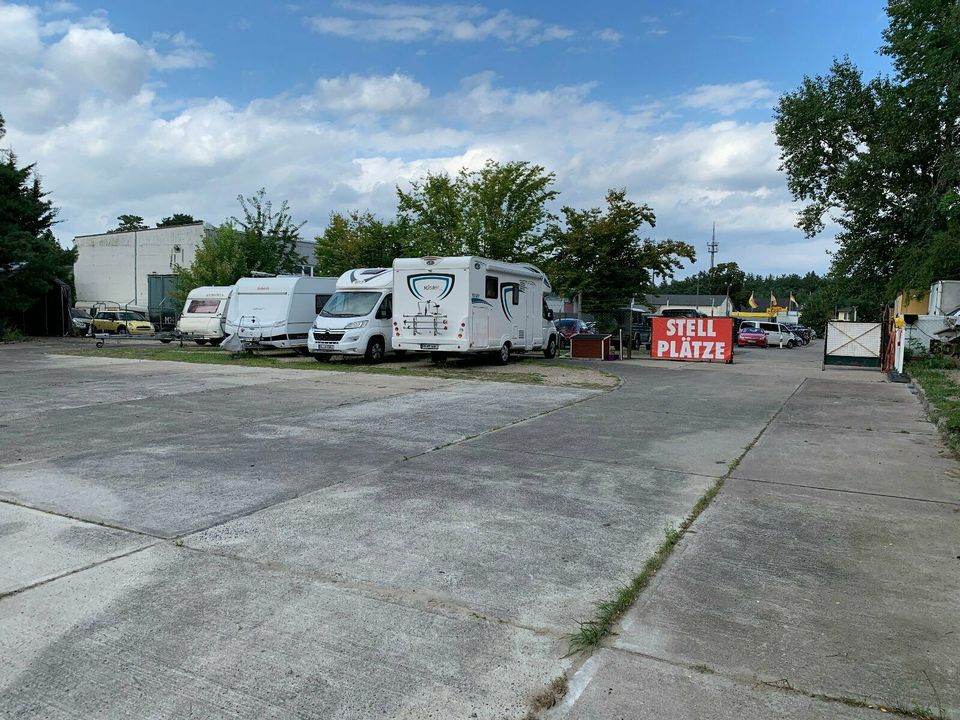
(204, 314)
(470, 305)
(276, 312)
(356, 319)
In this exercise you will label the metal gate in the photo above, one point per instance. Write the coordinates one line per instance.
(853, 343)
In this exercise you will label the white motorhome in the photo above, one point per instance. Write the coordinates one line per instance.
(470, 305)
(356, 319)
(276, 312)
(204, 314)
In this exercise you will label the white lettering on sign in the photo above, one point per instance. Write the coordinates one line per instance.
(692, 339)
(701, 327)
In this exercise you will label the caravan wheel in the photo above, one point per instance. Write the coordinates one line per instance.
(200, 342)
(504, 357)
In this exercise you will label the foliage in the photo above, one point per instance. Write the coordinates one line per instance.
(880, 158)
(741, 284)
(129, 223)
(499, 211)
(360, 240)
(601, 254)
(264, 240)
(177, 219)
(30, 257)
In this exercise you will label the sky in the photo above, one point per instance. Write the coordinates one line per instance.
(157, 108)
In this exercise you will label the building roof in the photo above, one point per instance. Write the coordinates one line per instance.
(694, 300)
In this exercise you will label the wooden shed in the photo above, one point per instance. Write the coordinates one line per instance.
(589, 345)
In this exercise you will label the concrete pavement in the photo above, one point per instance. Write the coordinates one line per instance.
(355, 545)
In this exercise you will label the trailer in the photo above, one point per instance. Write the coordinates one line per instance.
(466, 305)
(205, 313)
(275, 312)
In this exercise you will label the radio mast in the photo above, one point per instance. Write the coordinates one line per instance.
(712, 245)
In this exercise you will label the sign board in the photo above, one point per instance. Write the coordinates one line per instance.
(853, 343)
(694, 339)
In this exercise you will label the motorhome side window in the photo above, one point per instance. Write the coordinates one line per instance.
(514, 291)
(492, 286)
(321, 301)
(386, 308)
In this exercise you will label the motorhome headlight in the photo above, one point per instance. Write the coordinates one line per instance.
(355, 324)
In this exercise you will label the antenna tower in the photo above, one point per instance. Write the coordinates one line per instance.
(712, 245)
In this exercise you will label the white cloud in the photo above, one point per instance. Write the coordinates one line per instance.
(380, 94)
(444, 23)
(609, 35)
(61, 8)
(184, 53)
(99, 59)
(730, 98)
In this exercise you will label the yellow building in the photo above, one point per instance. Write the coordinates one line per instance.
(908, 302)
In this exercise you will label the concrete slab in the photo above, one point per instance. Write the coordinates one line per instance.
(900, 464)
(172, 633)
(847, 595)
(618, 685)
(500, 532)
(36, 546)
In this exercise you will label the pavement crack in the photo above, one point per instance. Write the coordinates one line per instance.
(848, 491)
(78, 518)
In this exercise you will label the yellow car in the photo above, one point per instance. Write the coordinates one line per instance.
(121, 322)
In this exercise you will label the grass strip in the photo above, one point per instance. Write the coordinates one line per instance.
(943, 395)
(467, 371)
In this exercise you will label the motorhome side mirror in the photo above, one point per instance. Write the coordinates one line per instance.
(549, 314)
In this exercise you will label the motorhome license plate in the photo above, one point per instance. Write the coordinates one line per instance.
(326, 346)
(429, 346)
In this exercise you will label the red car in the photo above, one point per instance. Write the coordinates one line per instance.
(750, 335)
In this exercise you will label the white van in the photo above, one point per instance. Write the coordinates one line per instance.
(276, 312)
(204, 314)
(356, 319)
(778, 334)
(471, 305)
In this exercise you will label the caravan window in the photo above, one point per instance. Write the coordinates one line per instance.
(492, 285)
(320, 302)
(203, 307)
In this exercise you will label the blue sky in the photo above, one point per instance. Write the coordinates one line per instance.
(154, 108)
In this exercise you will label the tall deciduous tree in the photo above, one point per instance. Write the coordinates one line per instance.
(601, 255)
(30, 257)
(360, 240)
(499, 211)
(880, 158)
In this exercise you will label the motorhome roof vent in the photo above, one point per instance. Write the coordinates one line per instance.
(430, 259)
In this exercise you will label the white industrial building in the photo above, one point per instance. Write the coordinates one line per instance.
(123, 267)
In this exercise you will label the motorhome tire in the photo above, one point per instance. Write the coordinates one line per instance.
(550, 351)
(200, 342)
(504, 355)
(374, 354)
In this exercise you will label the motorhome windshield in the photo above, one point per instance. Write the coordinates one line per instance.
(350, 304)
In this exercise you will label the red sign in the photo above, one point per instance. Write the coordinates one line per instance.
(696, 339)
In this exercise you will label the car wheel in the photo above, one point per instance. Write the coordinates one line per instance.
(791, 344)
(374, 353)
(503, 357)
(122, 330)
(551, 349)
(200, 342)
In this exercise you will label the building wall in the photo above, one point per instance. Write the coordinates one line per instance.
(113, 267)
(907, 304)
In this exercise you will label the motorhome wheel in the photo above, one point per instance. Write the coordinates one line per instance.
(551, 349)
(504, 357)
(374, 352)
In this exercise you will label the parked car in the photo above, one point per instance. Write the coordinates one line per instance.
(751, 335)
(804, 333)
(122, 322)
(778, 334)
(80, 319)
(568, 327)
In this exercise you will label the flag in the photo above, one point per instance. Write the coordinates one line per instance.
(752, 302)
(793, 300)
(773, 300)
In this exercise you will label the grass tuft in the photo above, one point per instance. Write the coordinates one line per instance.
(548, 697)
(943, 395)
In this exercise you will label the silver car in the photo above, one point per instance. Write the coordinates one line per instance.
(778, 334)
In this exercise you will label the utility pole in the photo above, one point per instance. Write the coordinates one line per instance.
(712, 245)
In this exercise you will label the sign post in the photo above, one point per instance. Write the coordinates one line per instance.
(692, 339)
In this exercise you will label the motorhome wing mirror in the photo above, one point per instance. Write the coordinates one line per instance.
(549, 314)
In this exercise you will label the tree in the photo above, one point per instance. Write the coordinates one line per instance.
(263, 241)
(177, 219)
(880, 158)
(129, 223)
(30, 257)
(499, 211)
(360, 240)
(602, 256)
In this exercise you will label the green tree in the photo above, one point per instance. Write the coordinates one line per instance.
(30, 257)
(360, 240)
(264, 240)
(601, 255)
(177, 219)
(499, 211)
(129, 223)
(880, 158)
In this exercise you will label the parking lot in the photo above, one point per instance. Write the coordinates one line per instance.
(187, 540)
